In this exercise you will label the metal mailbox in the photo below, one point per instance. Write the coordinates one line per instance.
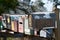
(41, 20)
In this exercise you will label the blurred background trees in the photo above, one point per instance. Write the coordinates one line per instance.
(20, 7)
(6, 5)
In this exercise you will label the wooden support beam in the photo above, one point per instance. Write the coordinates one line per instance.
(57, 30)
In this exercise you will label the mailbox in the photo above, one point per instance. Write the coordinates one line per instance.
(8, 21)
(39, 20)
(14, 22)
(20, 24)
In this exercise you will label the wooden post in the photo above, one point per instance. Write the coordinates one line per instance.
(57, 30)
(59, 27)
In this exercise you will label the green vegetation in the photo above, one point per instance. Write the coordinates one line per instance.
(6, 5)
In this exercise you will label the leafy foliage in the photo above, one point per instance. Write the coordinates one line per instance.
(5, 5)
